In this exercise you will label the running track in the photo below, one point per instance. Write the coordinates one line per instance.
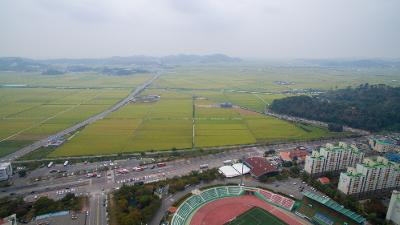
(220, 211)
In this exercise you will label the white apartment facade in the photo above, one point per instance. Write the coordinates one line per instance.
(332, 158)
(377, 176)
(393, 213)
(5, 171)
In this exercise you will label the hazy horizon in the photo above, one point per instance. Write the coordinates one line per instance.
(288, 29)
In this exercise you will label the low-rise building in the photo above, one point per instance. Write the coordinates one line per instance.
(260, 166)
(333, 159)
(298, 154)
(5, 171)
(372, 177)
(383, 144)
(393, 213)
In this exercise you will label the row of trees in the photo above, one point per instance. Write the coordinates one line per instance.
(369, 107)
(25, 211)
(135, 205)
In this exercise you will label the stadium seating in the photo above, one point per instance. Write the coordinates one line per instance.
(266, 194)
(284, 202)
(195, 201)
(178, 221)
(222, 191)
(234, 190)
(184, 210)
(209, 195)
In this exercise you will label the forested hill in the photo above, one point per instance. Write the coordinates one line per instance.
(369, 107)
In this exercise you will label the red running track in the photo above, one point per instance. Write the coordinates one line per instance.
(221, 211)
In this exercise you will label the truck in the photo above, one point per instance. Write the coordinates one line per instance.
(204, 166)
(50, 164)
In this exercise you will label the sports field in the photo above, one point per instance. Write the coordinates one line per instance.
(256, 216)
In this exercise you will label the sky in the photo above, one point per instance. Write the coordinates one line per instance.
(243, 28)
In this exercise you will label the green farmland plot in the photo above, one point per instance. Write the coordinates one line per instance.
(52, 103)
(161, 125)
(36, 112)
(168, 124)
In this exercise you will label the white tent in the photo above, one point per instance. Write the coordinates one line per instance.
(234, 170)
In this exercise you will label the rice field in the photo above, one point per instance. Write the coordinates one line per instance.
(185, 117)
(177, 121)
(31, 113)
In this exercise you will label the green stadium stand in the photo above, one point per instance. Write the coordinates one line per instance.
(194, 201)
(209, 195)
(184, 210)
(234, 190)
(222, 192)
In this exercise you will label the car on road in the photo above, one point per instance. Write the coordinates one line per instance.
(161, 164)
(137, 168)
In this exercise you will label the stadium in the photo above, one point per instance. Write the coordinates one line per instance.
(236, 205)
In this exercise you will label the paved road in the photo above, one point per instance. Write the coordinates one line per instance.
(25, 150)
(97, 210)
(110, 179)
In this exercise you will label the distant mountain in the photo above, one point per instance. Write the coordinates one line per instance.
(348, 63)
(123, 65)
(20, 64)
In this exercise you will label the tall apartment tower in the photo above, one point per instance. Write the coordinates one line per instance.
(371, 177)
(393, 213)
(333, 159)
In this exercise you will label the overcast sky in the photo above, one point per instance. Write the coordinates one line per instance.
(244, 28)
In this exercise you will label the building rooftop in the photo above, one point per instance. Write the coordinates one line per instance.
(324, 180)
(336, 207)
(260, 166)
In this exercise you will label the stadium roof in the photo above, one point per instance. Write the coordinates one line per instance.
(234, 170)
(336, 207)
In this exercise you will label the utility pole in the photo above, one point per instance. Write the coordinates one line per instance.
(241, 177)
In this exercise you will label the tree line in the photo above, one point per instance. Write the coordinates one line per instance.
(25, 211)
(136, 205)
(368, 107)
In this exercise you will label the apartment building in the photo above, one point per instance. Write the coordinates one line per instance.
(332, 159)
(372, 176)
(393, 213)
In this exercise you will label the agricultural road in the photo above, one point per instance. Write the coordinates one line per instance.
(25, 150)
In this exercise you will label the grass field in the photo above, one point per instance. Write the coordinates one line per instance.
(162, 125)
(256, 216)
(184, 117)
(259, 77)
(31, 113)
(168, 124)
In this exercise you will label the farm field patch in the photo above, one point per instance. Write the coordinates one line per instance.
(31, 113)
